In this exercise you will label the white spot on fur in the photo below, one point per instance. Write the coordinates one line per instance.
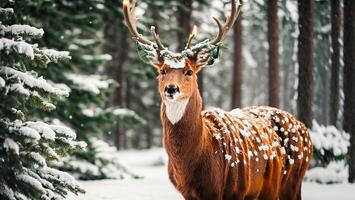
(175, 110)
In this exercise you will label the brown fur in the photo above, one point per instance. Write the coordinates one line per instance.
(197, 163)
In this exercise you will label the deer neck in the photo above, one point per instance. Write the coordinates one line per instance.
(183, 128)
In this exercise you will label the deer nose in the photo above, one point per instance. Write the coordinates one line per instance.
(171, 89)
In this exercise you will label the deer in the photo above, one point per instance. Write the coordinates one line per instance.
(257, 152)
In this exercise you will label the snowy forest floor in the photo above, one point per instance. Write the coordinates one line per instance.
(156, 186)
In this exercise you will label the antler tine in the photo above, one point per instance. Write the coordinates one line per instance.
(192, 35)
(156, 38)
(223, 29)
(128, 12)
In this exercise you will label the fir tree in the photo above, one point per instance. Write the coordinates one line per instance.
(77, 26)
(27, 144)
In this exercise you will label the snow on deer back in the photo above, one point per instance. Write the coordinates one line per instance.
(261, 141)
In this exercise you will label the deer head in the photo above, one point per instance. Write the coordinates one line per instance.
(177, 71)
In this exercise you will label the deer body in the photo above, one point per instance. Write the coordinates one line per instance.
(259, 153)
(243, 154)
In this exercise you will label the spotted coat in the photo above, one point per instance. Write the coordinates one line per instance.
(262, 142)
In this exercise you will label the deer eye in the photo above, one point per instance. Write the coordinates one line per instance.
(162, 72)
(189, 73)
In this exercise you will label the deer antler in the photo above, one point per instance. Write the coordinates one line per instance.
(192, 35)
(128, 12)
(156, 38)
(224, 28)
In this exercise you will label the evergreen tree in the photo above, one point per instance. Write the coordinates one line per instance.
(322, 35)
(289, 66)
(77, 26)
(27, 144)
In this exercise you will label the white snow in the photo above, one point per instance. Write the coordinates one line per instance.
(20, 47)
(2, 82)
(38, 158)
(62, 130)
(63, 177)
(84, 167)
(30, 132)
(55, 56)
(18, 29)
(5, 190)
(156, 185)
(9, 144)
(330, 138)
(334, 172)
(237, 113)
(31, 181)
(6, 10)
(32, 82)
(91, 83)
(43, 128)
(122, 111)
(18, 87)
(178, 63)
(104, 57)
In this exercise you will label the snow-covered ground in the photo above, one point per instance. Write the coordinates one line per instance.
(156, 186)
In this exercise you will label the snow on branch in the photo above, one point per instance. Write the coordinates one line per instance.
(20, 47)
(55, 56)
(32, 82)
(103, 57)
(334, 172)
(7, 192)
(43, 128)
(90, 83)
(6, 10)
(128, 116)
(9, 144)
(329, 138)
(21, 30)
(2, 82)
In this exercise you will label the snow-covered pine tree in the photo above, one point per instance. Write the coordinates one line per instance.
(77, 26)
(27, 144)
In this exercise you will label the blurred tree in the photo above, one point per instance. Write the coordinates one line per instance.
(289, 65)
(322, 61)
(237, 63)
(335, 63)
(116, 36)
(273, 36)
(184, 13)
(306, 63)
(349, 77)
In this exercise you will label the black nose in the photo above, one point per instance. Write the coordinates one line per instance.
(171, 89)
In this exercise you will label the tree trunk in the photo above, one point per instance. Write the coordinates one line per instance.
(115, 39)
(325, 103)
(335, 56)
(184, 14)
(238, 64)
(349, 77)
(306, 62)
(273, 36)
